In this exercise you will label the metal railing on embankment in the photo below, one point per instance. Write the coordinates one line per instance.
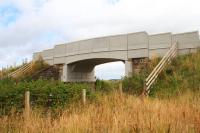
(171, 53)
(25, 68)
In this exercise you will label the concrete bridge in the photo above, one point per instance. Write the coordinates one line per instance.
(78, 59)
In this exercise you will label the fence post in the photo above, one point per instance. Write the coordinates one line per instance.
(27, 104)
(84, 96)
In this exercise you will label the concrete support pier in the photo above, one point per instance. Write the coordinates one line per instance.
(128, 68)
(70, 74)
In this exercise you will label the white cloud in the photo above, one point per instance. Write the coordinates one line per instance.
(113, 70)
(71, 20)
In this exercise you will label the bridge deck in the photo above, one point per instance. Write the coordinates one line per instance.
(122, 47)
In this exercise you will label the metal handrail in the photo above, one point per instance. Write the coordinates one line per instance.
(22, 69)
(19, 69)
(171, 53)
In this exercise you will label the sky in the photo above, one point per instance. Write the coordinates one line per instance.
(28, 26)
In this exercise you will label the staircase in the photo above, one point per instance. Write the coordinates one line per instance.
(51, 72)
(161, 65)
(46, 72)
(22, 70)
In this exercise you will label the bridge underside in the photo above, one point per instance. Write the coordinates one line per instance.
(83, 71)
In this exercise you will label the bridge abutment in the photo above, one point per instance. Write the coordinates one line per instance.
(134, 66)
(64, 75)
(69, 75)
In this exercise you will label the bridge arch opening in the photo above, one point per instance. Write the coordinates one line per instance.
(110, 71)
(91, 69)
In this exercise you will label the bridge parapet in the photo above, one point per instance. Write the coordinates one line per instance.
(137, 45)
(159, 44)
(118, 43)
(60, 50)
(187, 42)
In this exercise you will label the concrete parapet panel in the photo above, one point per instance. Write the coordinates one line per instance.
(157, 52)
(85, 46)
(101, 44)
(48, 54)
(138, 53)
(37, 55)
(160, 41)
(60, 50)
(59, 60)
(118, 42)
(186, 40)
(137, 40)
(72, 48)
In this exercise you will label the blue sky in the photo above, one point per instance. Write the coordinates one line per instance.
(8, 14)
(28, 26)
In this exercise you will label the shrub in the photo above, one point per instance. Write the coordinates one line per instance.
(43, 93)
(133, 85)
(106, 86)
(103, 86)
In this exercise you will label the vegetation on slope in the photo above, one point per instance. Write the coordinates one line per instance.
(173, 105)
(26, 75)
(116, 113)
(36, 66)
(181, 74)
(43, 93)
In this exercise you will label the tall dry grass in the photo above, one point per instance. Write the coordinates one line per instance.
(115, 113)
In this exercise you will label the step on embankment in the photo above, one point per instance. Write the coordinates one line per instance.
(52, 72)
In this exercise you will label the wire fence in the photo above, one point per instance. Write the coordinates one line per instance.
(11, 103)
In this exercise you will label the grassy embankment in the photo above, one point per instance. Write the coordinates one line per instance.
(173, 105)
